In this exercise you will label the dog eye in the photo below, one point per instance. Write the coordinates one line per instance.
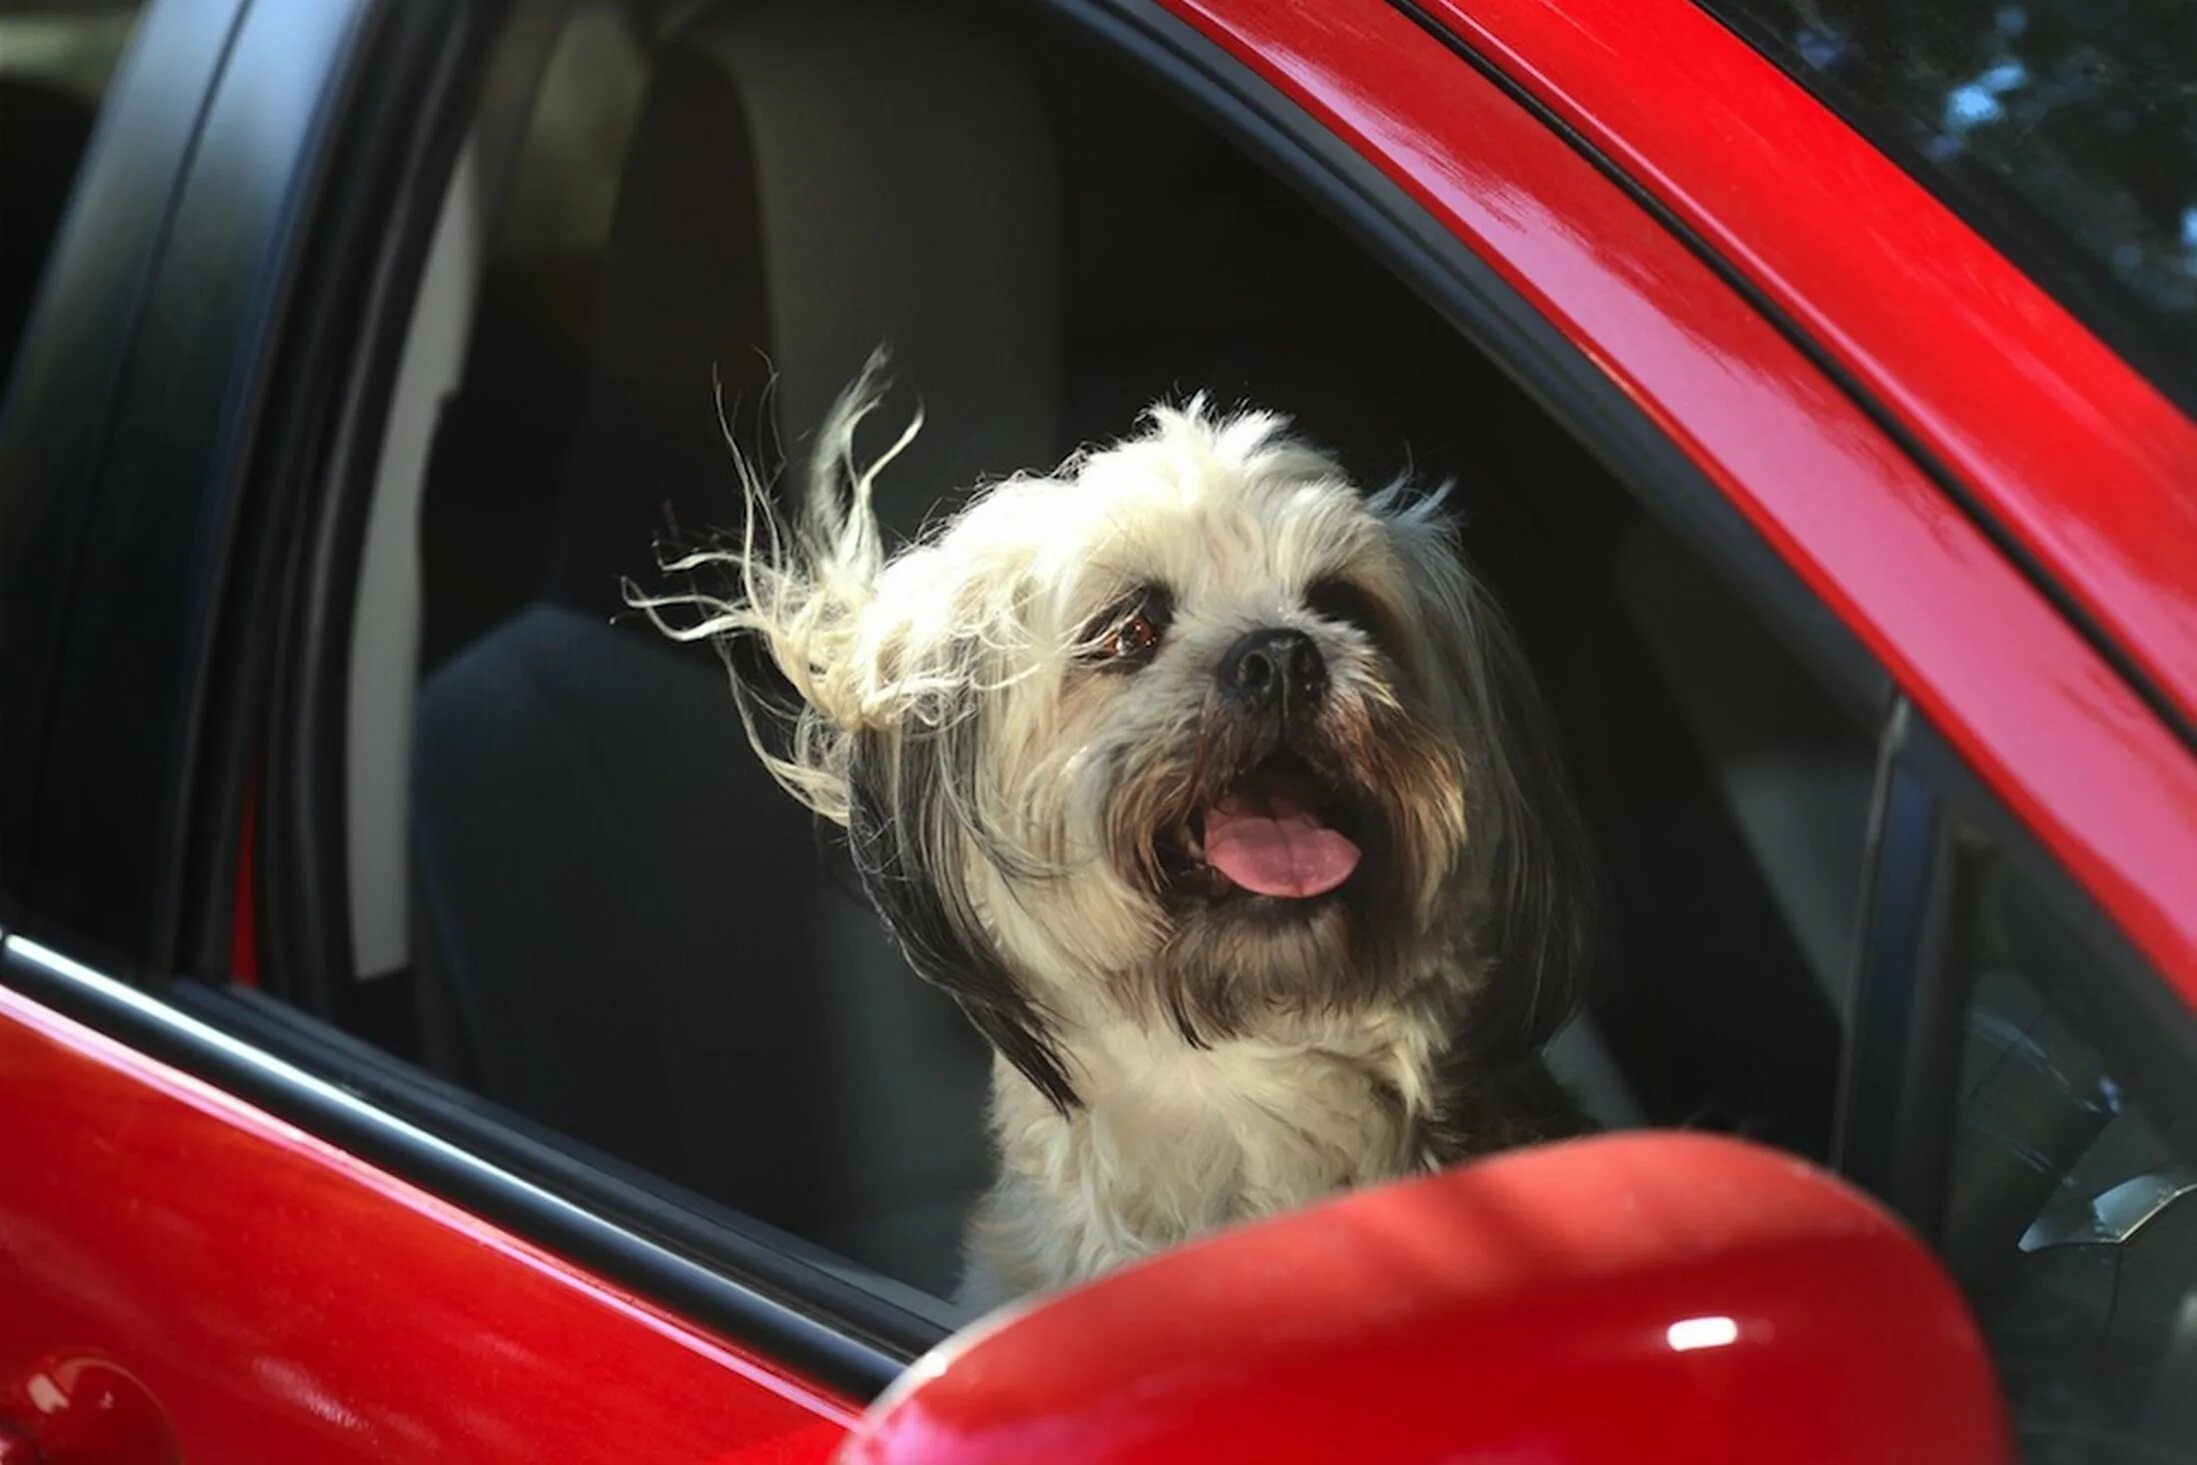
(1339, 600)
(1136, 637)
(1128, 633)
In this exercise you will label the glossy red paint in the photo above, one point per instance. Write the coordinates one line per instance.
(2067, 446)
(279, 1300)
(1641, 1298)
(2045, 721)
(83, 1410)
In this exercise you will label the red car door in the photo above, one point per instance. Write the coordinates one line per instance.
(188, 1277)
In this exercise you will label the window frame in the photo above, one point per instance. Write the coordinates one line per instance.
(1912, 990)
(291, 471)
(1902, 1022)
(1466, 291)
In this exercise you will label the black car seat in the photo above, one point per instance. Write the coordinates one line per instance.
(636, 931)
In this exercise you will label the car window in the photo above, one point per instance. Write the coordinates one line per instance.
(2065, 130)
(2070, 1211)
(55, 63)
(573, 889)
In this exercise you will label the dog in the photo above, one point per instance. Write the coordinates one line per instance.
(1214, 790)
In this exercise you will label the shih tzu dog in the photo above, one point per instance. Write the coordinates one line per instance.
(1215, 793)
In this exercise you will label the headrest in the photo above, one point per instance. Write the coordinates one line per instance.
(808, 181)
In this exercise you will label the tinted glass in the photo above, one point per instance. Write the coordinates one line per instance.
(2066, 130)
(2071, 1203)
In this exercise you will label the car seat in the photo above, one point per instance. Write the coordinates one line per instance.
(635, 931)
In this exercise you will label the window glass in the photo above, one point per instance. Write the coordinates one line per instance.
(2064, 129)
(2071, 1203)
(55, 63)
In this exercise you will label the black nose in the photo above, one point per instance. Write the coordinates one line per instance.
(1275, 668)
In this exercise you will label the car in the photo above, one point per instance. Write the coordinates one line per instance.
(426, 1033)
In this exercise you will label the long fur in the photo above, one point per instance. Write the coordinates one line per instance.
(1018, 800)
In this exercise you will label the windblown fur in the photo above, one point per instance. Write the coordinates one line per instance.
(1017, 720)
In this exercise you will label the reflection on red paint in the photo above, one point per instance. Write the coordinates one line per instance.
(1643, 1297)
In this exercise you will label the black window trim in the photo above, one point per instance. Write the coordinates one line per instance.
(400, 1118)
(61, 393)
(1901, 1021)
(409, 120)
(1912, 986)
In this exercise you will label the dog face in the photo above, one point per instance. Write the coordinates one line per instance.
(1247, 750)
(1192, 733)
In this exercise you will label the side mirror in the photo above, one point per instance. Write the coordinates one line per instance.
(1628, 1298)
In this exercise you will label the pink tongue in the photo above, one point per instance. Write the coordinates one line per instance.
(1281, 850)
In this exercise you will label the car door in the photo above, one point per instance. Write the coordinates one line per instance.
(188, 1276)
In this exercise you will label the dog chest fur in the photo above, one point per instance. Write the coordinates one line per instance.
(1172, 1141)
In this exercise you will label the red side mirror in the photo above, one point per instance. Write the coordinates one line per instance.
(1638, 1297)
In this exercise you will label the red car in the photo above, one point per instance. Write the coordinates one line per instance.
(425, 1034)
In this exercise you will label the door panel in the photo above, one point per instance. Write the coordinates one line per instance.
(279, 1299)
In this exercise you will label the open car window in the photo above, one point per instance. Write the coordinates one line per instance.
(573, 889)
(555, 907)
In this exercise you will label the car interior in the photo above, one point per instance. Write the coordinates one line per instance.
(578, 893)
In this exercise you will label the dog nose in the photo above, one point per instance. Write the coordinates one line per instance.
(1273, 667)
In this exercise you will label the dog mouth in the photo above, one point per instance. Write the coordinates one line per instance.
(1278, 831)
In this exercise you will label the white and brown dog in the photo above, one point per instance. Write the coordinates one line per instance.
(1215, 793)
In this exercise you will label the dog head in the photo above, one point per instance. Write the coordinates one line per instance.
(1191, 732)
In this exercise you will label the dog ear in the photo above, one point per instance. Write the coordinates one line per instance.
(1542, 921)
(1534, 867)
(908, 832)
